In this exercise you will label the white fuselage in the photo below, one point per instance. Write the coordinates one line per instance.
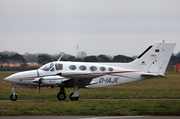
(102, 75)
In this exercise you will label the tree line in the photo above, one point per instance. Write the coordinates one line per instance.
(14, 58)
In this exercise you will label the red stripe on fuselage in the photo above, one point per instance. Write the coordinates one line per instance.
(121, 72)
(103, 73)
(26, 79)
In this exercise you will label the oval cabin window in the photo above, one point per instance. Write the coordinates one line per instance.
(102, 68)
(110, 69)
(82, 67)
(72, 67)
(93, 68)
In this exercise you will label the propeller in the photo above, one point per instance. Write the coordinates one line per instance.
(40, 80)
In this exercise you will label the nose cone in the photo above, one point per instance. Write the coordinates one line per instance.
(8, 79)
(21, 76)
(12, 77)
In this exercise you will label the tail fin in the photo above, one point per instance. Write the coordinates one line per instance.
(155, 58)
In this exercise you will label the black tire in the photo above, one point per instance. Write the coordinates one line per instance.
(73, 98)
(61, 96)
(14, 98)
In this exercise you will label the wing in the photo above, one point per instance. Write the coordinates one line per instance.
(81, 79)
(78, 82)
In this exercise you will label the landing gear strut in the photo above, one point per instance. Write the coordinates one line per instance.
(14, 96)
(75, 94)
(73, 98)
(61, 95)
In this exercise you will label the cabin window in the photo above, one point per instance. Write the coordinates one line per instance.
(82, 67)
(102, 68)
(110, 69)
(72, 67)
(93, 68)
(47, 67)
(59, 66)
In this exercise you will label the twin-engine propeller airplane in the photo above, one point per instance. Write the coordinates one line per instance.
(151, 63)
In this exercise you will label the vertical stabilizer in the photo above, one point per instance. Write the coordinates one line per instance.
(155, 58)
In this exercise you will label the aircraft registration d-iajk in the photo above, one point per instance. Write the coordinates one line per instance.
(151, 63)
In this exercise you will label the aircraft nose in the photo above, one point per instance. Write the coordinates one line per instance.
(9, 79)
(21, 75)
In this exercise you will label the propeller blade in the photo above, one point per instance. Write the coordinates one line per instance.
(37, 73)
(40, 81)
(39, 87)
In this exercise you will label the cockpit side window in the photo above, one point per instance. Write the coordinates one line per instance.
(59, 66)
(47, 67)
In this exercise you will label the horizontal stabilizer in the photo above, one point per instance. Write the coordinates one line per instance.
(154, 75)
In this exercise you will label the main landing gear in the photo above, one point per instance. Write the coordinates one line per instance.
(61, 95)
(73, 96)
(14, 96)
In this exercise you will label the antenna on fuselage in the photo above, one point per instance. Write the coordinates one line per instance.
(59, 58)
(77, 52)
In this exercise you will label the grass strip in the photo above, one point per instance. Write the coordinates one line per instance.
(94, 108)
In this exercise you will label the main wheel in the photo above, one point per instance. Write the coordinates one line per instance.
(73, 98)
(61, 96)
(14, 97)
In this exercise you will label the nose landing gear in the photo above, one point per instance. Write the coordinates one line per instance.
(14, 96)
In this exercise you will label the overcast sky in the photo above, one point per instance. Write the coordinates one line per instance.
(108, 27)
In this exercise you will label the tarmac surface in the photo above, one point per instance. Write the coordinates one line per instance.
(89, 117)
(85, 100)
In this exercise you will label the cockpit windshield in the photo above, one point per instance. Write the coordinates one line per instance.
(47, 67)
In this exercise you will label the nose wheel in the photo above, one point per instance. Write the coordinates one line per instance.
(14, 96)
